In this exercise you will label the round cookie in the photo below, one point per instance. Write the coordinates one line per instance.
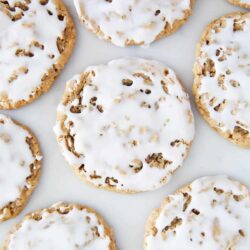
(125, 126)
(221, 77)
(241, 3)
(211, 213)
(133, 22)
(62, 226)
(20, 163)
(36, 40)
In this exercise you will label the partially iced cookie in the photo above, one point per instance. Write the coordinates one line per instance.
(210, 213)
(20, 163)
(133, 22)
(62, 226)
(36, 40)
(241, 3)
(125, 126)
(221, 77)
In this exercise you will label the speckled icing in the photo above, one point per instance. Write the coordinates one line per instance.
(28, 47)
(15, 160)
(225, 88)
(140, 21)
(77, 229)
(130, 128)
(212, 213)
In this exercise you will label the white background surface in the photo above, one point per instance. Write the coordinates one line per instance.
(127, 214)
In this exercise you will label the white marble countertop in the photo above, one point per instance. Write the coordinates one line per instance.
(127, 214)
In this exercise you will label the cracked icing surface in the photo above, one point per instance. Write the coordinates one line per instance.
(31, 53)
(64, 227)
(211, 213)
(126, 125)
(19, 166)
(222, 73)
(133, 21)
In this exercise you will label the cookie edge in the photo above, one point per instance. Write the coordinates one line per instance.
(239, 4)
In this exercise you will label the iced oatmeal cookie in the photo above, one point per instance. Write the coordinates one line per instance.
(62, 226)
(36, 40)
(126, 125)
(133, 22)
(211, 213)
(221, 77)
(20, 164)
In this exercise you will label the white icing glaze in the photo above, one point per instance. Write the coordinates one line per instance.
(236, 88)
(20, 34)
(69, 231)
(15, 160)
(220, 222)
(130, 20)
(127, 130)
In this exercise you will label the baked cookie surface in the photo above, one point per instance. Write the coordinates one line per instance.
(36, 39)
(62, 226)
(125, 126)
(133, 22)
(211, 213)
(241, 3)
(221, 77)
(20, 163)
